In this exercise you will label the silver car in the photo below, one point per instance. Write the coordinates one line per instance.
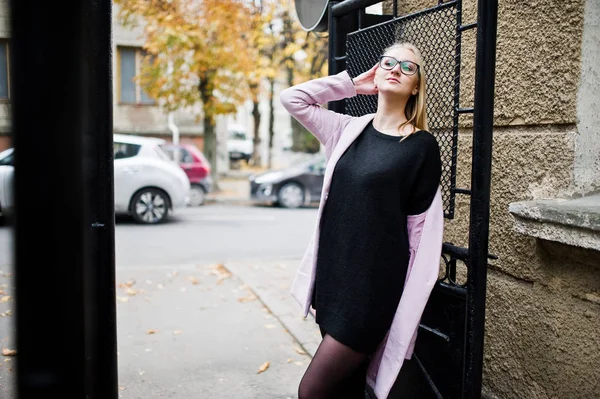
(148, 185)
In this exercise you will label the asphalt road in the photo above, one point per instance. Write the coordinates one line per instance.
(207, 234)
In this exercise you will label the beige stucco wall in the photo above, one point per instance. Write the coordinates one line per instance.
(543, 298)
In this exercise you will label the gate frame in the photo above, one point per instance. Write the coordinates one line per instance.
(349, 15)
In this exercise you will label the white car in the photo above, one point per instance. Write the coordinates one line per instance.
(148, 185)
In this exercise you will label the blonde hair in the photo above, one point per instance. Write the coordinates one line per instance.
(415, 109)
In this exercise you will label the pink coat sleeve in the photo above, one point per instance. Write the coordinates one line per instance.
(425, 235)
(303, 101)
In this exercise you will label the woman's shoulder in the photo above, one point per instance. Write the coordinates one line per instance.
(425, 137)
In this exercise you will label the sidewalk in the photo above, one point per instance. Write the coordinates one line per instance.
(201, 331)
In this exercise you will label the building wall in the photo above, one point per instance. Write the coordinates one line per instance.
(5, 125)
(543, 298)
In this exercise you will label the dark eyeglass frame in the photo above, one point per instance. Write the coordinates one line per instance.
(399, 62)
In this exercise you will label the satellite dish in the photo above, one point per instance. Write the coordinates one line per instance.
(312, 14)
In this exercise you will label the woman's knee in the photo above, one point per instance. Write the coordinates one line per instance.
(306, 390)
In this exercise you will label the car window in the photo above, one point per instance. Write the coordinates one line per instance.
(8, 160)
(233, 135)
(125, 150)
(171, 151)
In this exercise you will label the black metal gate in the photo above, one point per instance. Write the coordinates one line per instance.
(448, 357)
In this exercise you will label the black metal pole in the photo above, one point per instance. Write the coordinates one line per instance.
(97, 118)
(61, 110)
(334, 39)
(483, 123)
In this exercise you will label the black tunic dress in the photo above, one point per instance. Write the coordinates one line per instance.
(363, 245)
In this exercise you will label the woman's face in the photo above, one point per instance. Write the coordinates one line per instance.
(394, 81)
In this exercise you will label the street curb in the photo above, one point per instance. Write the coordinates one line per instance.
(228, 201)
(287, 312)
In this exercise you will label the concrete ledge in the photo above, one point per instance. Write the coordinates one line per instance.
(574, 222)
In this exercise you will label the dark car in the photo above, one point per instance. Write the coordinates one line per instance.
(292, 187)
(195, 165)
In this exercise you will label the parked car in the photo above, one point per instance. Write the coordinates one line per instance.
(292, 187)
(148, 185)
(195, 165)
(239, 143)
(6, 181)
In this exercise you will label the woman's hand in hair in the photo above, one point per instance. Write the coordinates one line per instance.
(365, 82)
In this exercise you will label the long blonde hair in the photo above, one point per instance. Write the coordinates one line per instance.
(415, 110)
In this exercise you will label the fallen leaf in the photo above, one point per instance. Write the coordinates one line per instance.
(193, 280)
(9, 352)
(221, 272)
(263, 368)
(121, 388)
(290, 360)
(299, 363)
(9, 312)
(7, 360)
(248, 298)
(270, 326)
(130, 291)
(300, 351)
(122, 299)
(177, 332)
(127, 284)
(1, 291)
(150, 332)
(5, 299)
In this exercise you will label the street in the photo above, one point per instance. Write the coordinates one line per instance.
(203, 304)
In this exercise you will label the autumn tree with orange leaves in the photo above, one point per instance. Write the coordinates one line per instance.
(197, 54)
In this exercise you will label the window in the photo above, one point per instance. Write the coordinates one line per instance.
(125, 150)
(130, 60)
(4, 80)
(178, 154)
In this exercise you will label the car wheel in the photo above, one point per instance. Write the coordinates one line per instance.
(150, 206)
(197, 195)
(290, 195)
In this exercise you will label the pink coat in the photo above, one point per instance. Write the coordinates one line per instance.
(336, 132)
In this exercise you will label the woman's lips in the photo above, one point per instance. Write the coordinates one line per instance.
(393, 80)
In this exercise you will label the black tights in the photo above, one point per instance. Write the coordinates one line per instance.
(335, 372)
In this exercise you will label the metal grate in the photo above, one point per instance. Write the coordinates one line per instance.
(434, 33)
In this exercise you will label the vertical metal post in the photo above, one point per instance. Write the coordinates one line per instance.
(97, 127)
(487, 12)
(335, 36)
(64, 225)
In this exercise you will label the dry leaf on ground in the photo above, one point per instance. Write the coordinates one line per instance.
(193, 280)
(122, 299)
(248, 298)
(9, 352)
(300, 351)
(151, 331)
(130, 291)
(5, 299)
(177, 332)
(270, 326)
(263, 368)
(127, 284)
(221, 272)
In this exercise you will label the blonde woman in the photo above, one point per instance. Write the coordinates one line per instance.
(374, 256)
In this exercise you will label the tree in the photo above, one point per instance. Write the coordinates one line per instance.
(197, 54)
(304, 56)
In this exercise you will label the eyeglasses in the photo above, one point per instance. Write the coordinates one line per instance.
(408, 68)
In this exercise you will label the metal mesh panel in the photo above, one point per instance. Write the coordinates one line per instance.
(433, 32)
